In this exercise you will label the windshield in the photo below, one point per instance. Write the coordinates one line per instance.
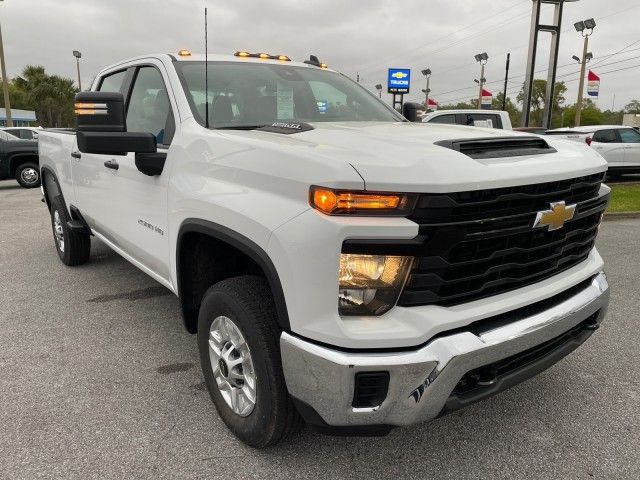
(253, 94)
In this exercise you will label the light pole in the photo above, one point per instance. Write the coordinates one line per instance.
(481, 58)
(427, 73)
(586, 30)
(5, 84)
(379, 88)
(78, 56)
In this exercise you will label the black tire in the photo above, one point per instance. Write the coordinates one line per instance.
(247, 301)
(73, 247)
(28, 175)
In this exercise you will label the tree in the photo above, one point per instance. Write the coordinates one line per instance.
(51, 96)
(538, 94)
(591, 114)
(633, 107)
(510, 107)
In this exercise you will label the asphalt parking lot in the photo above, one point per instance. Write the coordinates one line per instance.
(99, 380)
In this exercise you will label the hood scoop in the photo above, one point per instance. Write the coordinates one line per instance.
(498, 147)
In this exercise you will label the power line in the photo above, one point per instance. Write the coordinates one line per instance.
(619, 51)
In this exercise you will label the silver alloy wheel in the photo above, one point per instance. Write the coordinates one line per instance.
(29, 175)
(232, 365)
(58, 231)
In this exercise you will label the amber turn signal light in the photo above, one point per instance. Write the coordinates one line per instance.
(345, 202)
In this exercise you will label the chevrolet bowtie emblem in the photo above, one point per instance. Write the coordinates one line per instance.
(556, 217)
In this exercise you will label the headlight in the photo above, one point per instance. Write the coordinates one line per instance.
(370, 284)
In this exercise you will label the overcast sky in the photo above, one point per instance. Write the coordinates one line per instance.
(355, 36)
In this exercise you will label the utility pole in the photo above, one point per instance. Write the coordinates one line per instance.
(586, 30)
(5, 83)
(379, 88)
(78, 56)
(506, 83)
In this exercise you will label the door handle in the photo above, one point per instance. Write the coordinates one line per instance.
(76, 154)
(112, 164)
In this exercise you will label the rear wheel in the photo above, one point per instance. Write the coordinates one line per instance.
(238, 339)
(28, 175)
(73, 247)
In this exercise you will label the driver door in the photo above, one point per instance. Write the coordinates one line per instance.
(129, 209)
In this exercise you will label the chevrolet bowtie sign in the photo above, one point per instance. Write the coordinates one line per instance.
(399, 80)
(556, 217)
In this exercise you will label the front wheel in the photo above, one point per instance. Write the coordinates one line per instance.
(238, 339)
(28, 175)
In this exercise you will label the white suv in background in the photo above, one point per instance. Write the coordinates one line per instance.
(619, 145)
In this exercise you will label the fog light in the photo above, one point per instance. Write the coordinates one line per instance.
(370, 284)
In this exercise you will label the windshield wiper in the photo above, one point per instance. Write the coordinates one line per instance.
(239, 127)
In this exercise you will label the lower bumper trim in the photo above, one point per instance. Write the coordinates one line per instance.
(426, 383)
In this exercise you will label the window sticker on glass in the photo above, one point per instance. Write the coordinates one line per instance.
(488, 123)
(285, 102)
(323, 105)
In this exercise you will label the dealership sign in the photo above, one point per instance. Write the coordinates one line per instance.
(593, 84)
(399, 80)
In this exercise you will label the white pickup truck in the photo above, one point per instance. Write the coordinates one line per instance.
(339, 264)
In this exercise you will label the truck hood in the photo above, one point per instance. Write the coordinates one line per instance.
(404, 157)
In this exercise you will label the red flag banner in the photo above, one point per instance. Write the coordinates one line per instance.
(593, 84)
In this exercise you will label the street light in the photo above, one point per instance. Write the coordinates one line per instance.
(481, 58)
(5, 84)
(78, 56)
(585, 28)
(379, 88)
(427, 73)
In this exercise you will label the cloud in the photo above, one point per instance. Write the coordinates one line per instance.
(355, 36)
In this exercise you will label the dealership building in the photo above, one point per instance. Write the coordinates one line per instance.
(21, 118)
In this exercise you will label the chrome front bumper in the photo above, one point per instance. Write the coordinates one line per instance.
(422, 381)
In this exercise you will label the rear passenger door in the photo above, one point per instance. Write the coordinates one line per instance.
(631, 141)
(608, 144)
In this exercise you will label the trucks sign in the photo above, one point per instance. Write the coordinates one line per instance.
(398, 80)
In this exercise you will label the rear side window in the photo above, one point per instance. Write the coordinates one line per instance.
(112, 82)
(605, 136)
(485, 120)
(448, 119)
(628, 135)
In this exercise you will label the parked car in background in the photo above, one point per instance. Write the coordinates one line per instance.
(19, 160)
(534, 130)
(474, 118)
(619, 145)
(24, 133)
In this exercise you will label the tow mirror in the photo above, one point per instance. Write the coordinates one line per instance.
(101, 127)
(100, 112)
(410, 111)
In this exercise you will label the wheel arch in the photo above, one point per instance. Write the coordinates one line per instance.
(50, 185)
(231, 244)
(18, 159)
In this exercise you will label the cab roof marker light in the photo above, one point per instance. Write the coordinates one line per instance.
(184, 53)
(264, 56)
(242, 53)
(284, 58)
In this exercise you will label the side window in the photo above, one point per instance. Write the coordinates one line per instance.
(628, 135)
(485, 120)
(605, 136)
(149, 108)
(449, 119)
(112, 82)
